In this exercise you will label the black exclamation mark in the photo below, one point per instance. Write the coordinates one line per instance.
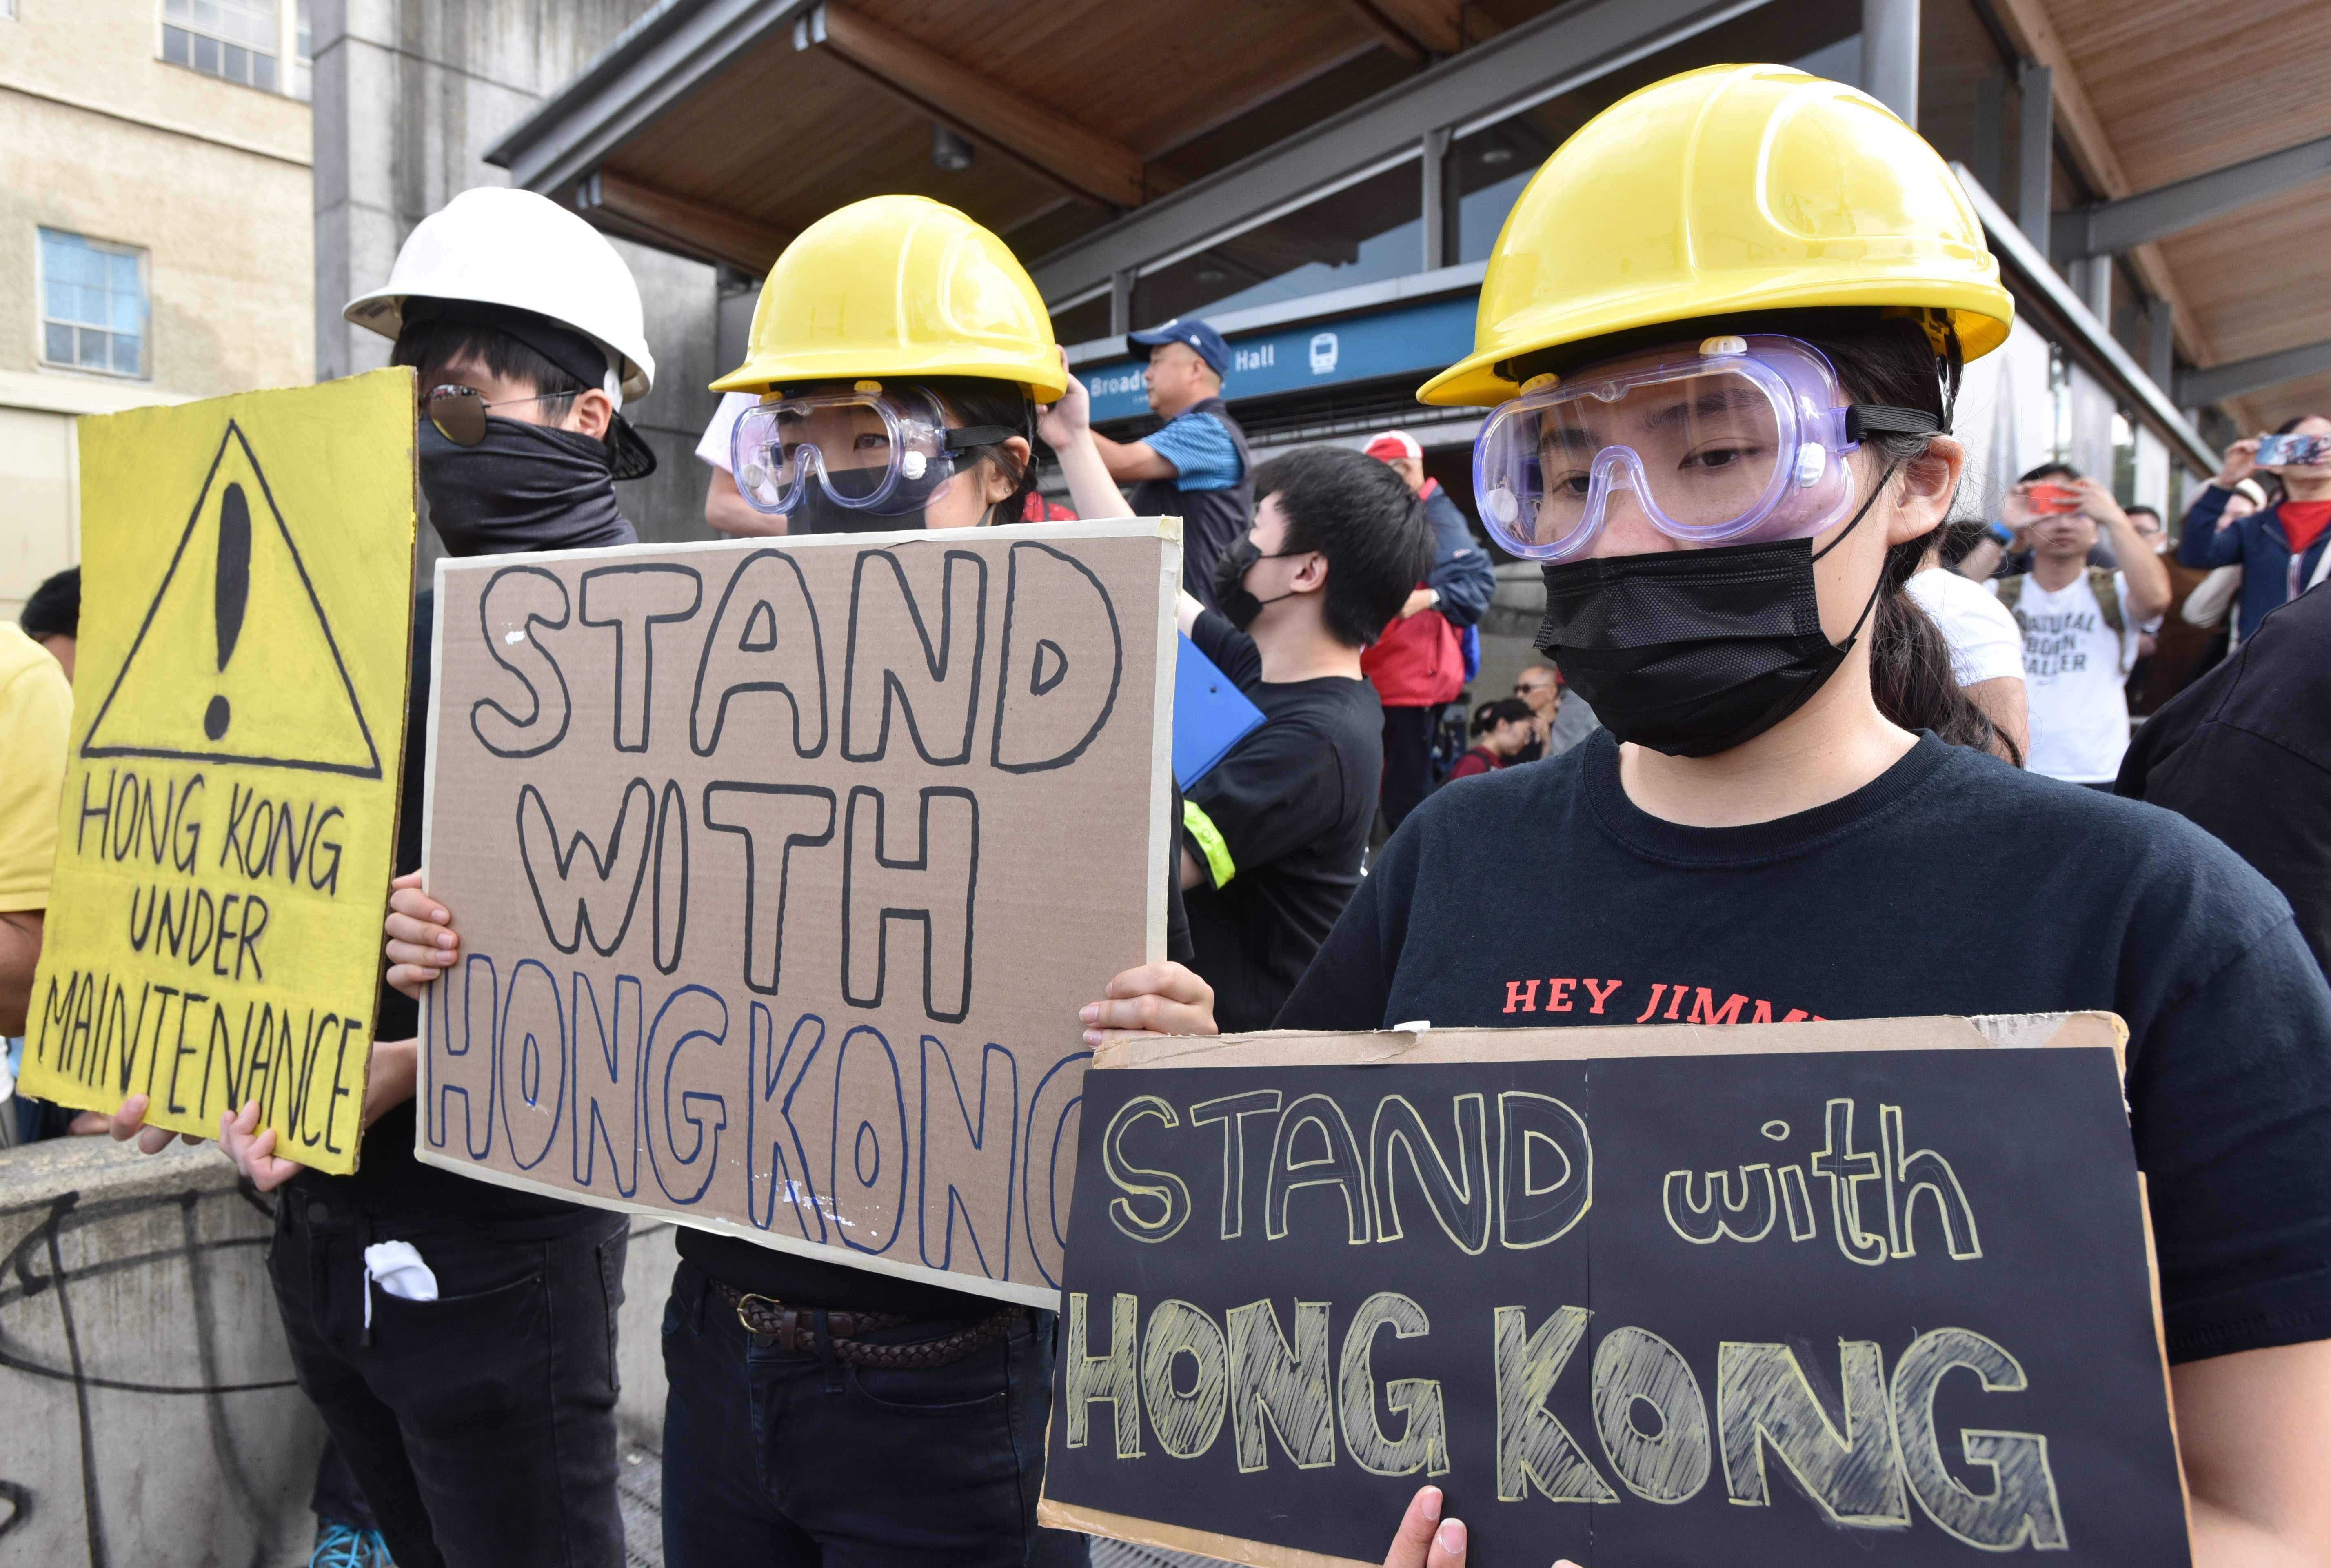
(231, 593)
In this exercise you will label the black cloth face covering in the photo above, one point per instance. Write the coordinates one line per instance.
(524, 487)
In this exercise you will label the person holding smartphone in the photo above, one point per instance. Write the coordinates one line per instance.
(1728, 466)
(2081, 622)
(2279, 548)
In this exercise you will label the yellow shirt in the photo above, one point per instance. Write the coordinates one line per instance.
(35, 722)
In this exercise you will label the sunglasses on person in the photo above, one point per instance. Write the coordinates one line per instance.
(1524, 690)
(459, 412)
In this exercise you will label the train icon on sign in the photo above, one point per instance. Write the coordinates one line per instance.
(1323, 353)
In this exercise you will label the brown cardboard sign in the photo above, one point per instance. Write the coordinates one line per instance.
(1759, 1294)
(782, 867)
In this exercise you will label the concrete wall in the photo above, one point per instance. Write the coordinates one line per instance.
(409, 96)
(151, 1418)
(209, 177)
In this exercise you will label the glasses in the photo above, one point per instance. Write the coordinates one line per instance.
(1526, 691)
(459, 412)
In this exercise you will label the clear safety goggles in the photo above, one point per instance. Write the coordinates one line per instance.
(880, 453)
(1741, 439)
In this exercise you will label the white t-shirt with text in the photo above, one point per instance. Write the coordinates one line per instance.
(1984, 641)
(2074, 667)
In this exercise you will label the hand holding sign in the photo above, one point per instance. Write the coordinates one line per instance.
(1426, 1540)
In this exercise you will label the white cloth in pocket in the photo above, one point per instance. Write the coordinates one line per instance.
(397, 1268)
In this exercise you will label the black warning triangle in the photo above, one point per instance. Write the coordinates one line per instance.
(236, 660)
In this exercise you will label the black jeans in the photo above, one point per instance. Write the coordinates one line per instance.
(1407, 762)
(481, 1425)
(773, 1459)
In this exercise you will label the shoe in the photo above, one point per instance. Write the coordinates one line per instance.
(340, 1546)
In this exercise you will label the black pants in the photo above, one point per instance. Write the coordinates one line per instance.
(773, 1459)
(1407, 762)
(481, 1425)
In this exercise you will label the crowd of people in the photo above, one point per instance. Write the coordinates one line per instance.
(1802, 730)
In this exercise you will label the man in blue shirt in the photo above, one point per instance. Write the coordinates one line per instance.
(1196, 468)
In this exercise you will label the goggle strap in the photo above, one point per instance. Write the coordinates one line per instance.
(1863, 419)
(972, 435)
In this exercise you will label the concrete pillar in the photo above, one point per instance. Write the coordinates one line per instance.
(1889, 56)
(357, 228)
(2036, 163)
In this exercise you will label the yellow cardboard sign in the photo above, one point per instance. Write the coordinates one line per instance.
(229, 821)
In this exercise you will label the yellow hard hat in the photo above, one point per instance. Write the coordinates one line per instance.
(1728, 189)
(898, 286)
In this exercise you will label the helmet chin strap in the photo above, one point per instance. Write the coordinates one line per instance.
(1879, 587)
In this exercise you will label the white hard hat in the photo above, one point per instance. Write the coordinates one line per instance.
(523, 251)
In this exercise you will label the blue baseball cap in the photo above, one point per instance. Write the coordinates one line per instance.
(1202, 339)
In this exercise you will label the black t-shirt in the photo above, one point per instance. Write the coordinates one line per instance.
(389, 1182)
(1279, 827)
(1951, 884)
(2245, 752)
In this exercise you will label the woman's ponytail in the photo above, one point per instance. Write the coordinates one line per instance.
(1896, 360)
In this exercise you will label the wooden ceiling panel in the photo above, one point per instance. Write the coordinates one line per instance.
(1140, 74)
(784, 138)
(2183, 87)
(2276, 404)
(2255, 276)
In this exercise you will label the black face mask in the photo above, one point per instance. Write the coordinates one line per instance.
(1238, 606)
(525, 487)
(1692, 653)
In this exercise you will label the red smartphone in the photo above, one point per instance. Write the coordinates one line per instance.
(2048, 499)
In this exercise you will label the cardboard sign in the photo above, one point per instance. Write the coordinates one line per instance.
(229, 821)
(782, 869)
(1800, 1294)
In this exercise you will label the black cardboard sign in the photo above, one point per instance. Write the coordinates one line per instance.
(1696, 1298)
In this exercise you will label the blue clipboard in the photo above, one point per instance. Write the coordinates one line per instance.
(1210, 714)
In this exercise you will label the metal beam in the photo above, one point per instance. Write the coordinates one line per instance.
(2105, 228)
(2095, 342)
(2219, 382)
(2161, 343)
(1889, 56)
(2036, 152)
(660, 60)
(1541, 59)
(1433, 200)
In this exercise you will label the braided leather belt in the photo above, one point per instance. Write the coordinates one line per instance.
(795, 1328)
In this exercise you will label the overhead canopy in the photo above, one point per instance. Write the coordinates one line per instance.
(2150, 93)
(1109, 140)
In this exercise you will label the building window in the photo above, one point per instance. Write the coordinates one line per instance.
(92, 304)
(303, 53)
(236, 39)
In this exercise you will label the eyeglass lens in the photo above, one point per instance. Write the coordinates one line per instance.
(459, 413)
